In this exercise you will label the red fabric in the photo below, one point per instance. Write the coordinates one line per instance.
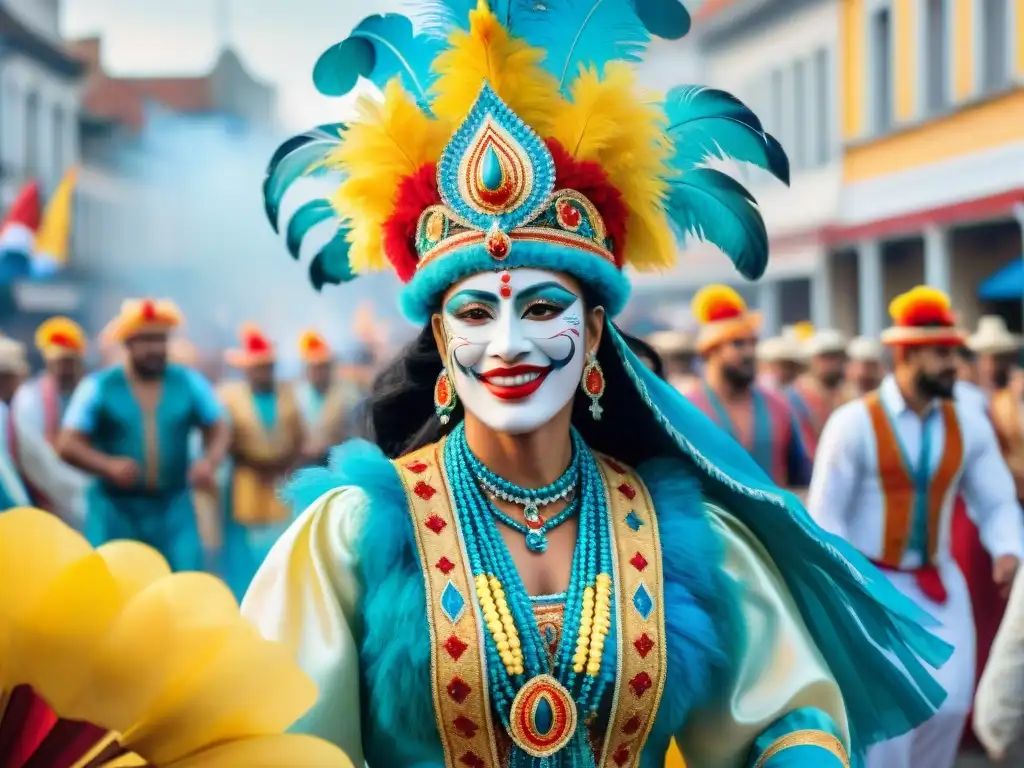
(928, 581)
(25, 724)
(723, 310)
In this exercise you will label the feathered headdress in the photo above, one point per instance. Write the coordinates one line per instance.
(60, 337)
(313, 348)
(256, 349)
(515, 134)
(922, 315)
(723, 316)
(138, 316)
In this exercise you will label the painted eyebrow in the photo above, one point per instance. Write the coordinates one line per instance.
(554, 292)
(462, 298)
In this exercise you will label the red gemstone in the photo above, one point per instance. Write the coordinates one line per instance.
(644, 645)
(621, 754)
(470, 759)
(615, 466)
(632, 725)
(455, 647)
(628, 491)
(441, 394)
(638, 561)
(505, 291)
(569, 215)
(444, 565)
(424, 491)
(459, 690)
(641, 684)
(506, 277)
(595, 382)
(465, 727)
(435, 523)
(417, 466)
(497, 247)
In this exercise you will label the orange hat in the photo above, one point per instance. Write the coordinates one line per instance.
(723, 316)
(314, 349)
(921, 316)
(60, 337)
(139, 316)
(256, 349)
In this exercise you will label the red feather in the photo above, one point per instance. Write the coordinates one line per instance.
(415, 194)
(724, 310)
(149, 310)
(256, 343)
(929, 314)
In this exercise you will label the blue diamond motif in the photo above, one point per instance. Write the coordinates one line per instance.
(643, 602)
(634, 521)
(452, 603)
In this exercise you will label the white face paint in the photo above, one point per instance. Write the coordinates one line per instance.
(515, 346)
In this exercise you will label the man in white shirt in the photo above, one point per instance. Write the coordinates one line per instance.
(888, 469)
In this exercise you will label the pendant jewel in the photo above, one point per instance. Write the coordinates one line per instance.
(543, 717)
(537, 542)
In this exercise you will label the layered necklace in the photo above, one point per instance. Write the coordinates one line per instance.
(544, 704)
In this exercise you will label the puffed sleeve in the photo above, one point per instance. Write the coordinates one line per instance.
(305, 595)
(781, 706)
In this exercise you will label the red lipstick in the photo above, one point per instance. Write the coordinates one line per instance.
(519, 391)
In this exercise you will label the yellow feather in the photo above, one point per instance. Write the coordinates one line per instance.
(390, 141)
(915, 297)
(511, 67)
(803, 330)
(613, 122)
(712, 296)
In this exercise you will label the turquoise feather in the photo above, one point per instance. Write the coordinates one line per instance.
(295, 158)
(440, 17)
(331, 265)
(304, 219)
(379, 48)
(716, 208)
(668, 19)
(705, 123)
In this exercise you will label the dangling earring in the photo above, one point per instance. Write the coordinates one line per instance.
(444, 396)
(593, 384)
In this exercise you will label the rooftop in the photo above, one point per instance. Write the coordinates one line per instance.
(16, 35)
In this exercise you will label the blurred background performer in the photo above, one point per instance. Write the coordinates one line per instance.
(780, 360)
(889, 466)
(865, 366)
(757, 417)
(678, 352)
(130, 425)
(325, 397)
(36, 414)
(267, 437)
(13, 369)
(818, 391)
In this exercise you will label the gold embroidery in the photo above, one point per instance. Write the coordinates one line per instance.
(459, 680)
(807, 738)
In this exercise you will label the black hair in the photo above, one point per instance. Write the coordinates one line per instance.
(399, 410)
(966, 353)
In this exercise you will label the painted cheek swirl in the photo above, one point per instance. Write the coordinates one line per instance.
(560, 348)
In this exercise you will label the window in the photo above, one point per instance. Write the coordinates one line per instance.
(995, 48)
(32, 134)
(59, 139)
(881, 78)
(936, 69)
(820, 66)
(799, 132)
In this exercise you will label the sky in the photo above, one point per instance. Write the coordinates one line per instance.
(279, 40)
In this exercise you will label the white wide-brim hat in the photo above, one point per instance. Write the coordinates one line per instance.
(864, 349)
(993, 337)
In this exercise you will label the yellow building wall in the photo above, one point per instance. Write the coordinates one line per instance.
(1020, 37)
(904, 60)
(964, 21)
(853, 72)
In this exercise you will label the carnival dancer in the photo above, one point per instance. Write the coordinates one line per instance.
(818, 392)
(780, 360)
(678, 351)
(493, 582)
(36, 413)
(267, 438)
(864, 366)
(758, 418)
(325, 398)
(129, 427)
(889, 466)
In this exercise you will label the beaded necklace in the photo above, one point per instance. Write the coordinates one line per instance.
(540, 703)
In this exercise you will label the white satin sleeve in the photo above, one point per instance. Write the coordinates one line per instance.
(305, 595)
(778, 670)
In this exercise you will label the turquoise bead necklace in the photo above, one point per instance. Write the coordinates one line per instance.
(489, 556)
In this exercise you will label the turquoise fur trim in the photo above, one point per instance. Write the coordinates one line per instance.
(859, 621)
(422, 295)
(699, 600)
(395, 666)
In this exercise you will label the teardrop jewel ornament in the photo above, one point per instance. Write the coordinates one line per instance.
(444, 396)
(593, 384)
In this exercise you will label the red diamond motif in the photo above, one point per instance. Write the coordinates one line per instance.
(472, 761)
(435, 523)
(632, 725)
(628, 491)
(444, 565)
(643, 645)
(638, 561)
(621, 754)
(459, 690)
(641, 684)
(424, 491)
(417, 466)
(615, 466)
(455, 647)
(465, 727)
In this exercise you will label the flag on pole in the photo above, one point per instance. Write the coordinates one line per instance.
(51, 251)
(18, 234)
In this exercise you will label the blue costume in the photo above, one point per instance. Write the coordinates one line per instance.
(703, 605)
(159, 510)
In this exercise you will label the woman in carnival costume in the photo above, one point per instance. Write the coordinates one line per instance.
(108, 660)
(558, 561)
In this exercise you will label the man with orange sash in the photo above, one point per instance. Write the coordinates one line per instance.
(818, 392)
(36, 413)
(757, 417)
(888, 469)
(267, 437)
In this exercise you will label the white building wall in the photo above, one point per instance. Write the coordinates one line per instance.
(43, 16)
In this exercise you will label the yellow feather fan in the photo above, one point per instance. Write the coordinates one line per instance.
(915, 299)
(611, 121)
(717, 302)
(389, 141)
(511, 67)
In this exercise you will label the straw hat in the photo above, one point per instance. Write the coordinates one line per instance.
(922, 315)
(827, 341)
(314, 349)
(12, 357)
(138, 316)
(672, 342)
(723, 316)
(992, 337)
(256, 349)
(59, 338)
(864, 349)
